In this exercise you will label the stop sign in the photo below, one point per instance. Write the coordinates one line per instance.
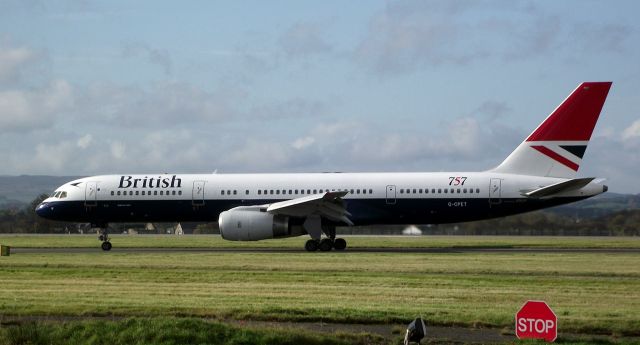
(536, 320)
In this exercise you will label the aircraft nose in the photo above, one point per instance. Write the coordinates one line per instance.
(42, 210)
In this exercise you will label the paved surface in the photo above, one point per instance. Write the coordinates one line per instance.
(18, 250)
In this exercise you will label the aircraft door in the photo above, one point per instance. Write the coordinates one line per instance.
(391, 195)
(198, 193)
(91, 194)
(495, 191)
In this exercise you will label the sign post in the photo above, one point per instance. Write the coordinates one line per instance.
(535, 320)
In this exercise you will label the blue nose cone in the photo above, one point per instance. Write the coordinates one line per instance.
(42, 210)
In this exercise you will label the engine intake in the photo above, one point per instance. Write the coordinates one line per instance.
(251, 224)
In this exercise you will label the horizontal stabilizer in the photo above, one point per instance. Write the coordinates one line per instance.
(561, 187)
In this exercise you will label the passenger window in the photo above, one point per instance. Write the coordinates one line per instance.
(118, 192)
(278, 191)
(137, 192)
(246, 192)
(426, 190)
(235, 192)
(161, 192)
(464, 191)
(112, 193)
(259, 192)
(174, 193)
(290, 191)
(295, 192)
(439, 190)
(420, 190)
(222, 192)
(401, 191)
(433, 190)
(315, 191)
(478, 190)
(364, 191)
(370, 191)
(451, 190)
(446, 191)
(357, 191)
(458, 190)
(179, 192)
(155, 192)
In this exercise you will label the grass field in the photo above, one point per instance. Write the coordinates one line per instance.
(167, 331)
(215, 241)
(592, 293)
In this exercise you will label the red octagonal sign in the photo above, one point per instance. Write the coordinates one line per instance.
(536, 320)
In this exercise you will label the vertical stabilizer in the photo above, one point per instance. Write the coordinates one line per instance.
(556, 147)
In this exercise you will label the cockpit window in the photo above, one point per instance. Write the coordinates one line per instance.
(63, 195)
(57, 194)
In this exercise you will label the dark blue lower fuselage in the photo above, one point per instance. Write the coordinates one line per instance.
(363, 211)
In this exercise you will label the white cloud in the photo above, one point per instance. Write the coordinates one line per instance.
(417, 34)
(84, 141)
(302, 143)
(155, 56)
(118, 150)
(12, 59)
(53, 157)
(632, 131)
(261, 155)
(303, 39)
(32, 109)
(157, 105)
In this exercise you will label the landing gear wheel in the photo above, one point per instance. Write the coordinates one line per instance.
(311, 245)
(339, 244)
(106, 246)
(326, 245)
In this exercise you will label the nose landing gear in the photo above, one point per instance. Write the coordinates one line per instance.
(104, 237)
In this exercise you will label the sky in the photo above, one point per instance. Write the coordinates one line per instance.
(91, 87)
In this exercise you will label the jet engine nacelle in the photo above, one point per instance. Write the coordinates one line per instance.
(251, 224)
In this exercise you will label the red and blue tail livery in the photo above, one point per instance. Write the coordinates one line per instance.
(556, 147)
(539, 173)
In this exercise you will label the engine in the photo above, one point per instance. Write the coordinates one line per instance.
(251, 224)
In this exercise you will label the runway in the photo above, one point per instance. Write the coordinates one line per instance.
(453, 250)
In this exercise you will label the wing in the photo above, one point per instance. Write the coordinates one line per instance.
(327, 205)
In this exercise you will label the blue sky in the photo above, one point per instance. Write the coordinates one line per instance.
(255, 86)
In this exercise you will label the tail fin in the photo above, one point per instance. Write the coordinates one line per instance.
(556, 147)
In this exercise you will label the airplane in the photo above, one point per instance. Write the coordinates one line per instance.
(539, 173)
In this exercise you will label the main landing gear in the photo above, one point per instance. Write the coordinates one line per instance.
(325, 245)
(104, 237)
